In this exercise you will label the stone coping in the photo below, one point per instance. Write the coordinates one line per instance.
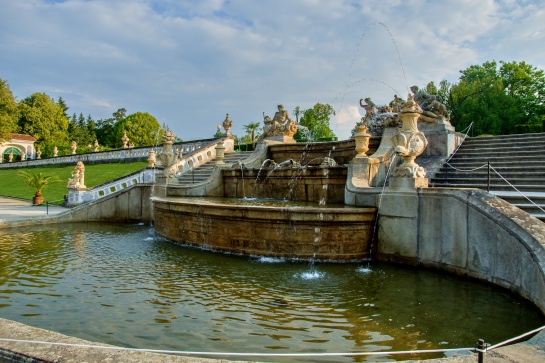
(532, 351)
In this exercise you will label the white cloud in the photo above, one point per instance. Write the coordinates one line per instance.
(190, 62)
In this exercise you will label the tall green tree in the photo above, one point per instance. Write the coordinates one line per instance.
(79, 132)
(499, 98)
(142, 129)
(8, 111)
(43, 118)
(105, 129)
(316, 120)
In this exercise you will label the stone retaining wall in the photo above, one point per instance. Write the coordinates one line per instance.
(467, 232)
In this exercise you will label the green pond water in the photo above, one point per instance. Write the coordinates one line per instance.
(120, 284)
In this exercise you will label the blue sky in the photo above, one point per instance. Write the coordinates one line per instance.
(189, 63)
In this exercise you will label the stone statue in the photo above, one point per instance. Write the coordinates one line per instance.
(77, 180)
(95, 146)
(125, 140)
(396, 104)
(10, 157)
(55, 151)
(370, 110)
(280, 125)
(168, 158)
(227, 123)
(433, 109)
(377, 118)
(73, 146)
(152, 159)
(38, 154)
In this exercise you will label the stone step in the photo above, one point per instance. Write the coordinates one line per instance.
(509, 174)
(525, 188)
(204, 171)
(531, 145)
(517, 158)
(504, 167)
(505, 138)
(505, 159)
(503, 153)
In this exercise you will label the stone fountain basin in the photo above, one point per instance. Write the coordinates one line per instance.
(267, 228)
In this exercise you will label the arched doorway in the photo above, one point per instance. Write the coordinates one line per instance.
(16, 154)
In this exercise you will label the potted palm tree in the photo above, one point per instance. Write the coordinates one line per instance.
(38, 181)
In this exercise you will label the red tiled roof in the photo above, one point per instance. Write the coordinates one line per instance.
(22, 137)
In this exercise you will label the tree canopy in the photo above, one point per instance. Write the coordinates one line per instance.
(43, 118)
(316, 120)
(8, 111)
(504, 98)
(142, 129)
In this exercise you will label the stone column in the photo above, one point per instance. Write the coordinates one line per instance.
(220, 153)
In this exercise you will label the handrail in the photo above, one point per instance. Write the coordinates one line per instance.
(480, 348)
(490, 167)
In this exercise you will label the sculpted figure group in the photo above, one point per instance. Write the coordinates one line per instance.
(378, 117)
(280, 125)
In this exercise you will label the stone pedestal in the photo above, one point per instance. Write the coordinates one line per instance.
(220, 153)
(281, 139)
(408, 183)
(362, 170)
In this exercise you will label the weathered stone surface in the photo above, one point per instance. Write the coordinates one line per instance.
(293, 232)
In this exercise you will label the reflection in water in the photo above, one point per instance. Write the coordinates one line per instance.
(120, 284)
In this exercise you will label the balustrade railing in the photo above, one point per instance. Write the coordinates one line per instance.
(123, 155)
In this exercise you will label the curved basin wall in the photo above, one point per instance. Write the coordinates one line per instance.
(291, 232)
(466, 232)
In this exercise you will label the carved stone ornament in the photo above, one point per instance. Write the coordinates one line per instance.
(227, 124)
(409, 142)
(362, 141)
(168, 158)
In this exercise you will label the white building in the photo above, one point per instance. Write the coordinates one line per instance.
(20, 147)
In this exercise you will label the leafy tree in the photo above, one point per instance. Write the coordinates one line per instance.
(142, 129)
(251, 132)
(105, 129)
(8, 111)
(502, 98)
(316, 120)
(43, 118)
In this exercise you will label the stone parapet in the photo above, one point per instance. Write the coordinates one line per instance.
(121, 155)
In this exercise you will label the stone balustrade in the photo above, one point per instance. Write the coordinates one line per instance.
(123, 155)
(196, 154)
(76, 197)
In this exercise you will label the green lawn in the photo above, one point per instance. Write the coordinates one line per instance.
(14, 186)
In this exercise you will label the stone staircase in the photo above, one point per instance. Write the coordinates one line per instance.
(518, 160)
(203, 172)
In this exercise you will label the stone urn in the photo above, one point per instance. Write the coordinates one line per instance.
(125, 140)
(362, 141)
(409, 142)
(227, 124)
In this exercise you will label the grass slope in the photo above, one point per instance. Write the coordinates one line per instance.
(14, 186)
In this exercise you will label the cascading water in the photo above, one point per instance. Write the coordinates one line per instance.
(375, 225)
(242, 177)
